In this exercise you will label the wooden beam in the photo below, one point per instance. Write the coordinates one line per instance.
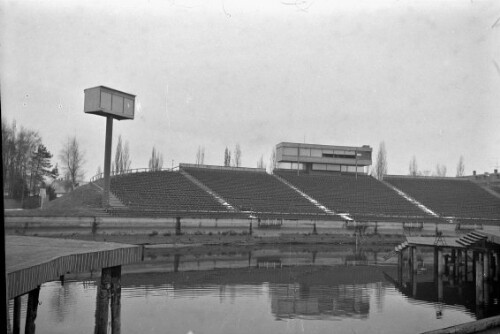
(31, 310)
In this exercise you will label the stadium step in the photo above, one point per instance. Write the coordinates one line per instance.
(114, 202)
(218, 198)
(312, 200)
(411, 200)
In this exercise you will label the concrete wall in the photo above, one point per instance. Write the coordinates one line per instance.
(119, 225)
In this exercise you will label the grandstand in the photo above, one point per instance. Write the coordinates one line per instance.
(362, 196)
(253, 190)
(455, 198)
(165, 194)
(312, 182)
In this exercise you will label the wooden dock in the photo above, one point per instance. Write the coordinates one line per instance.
(32, 261)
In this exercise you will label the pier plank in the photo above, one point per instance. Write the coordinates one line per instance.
(32, 261)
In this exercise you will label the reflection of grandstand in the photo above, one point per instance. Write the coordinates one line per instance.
(320, 302)
(313, 182)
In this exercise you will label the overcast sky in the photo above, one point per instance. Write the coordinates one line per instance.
(422, 76)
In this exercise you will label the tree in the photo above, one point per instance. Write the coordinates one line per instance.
(200, 155)
(73, 159)
(380, 167)
(156, 160)
(237, 156)
(460, 167)
(440, 170)
(260, 163)
(122, 157)
(17, 154)
(272, 161)
(227, 157)
(40, 167)
(413, 169)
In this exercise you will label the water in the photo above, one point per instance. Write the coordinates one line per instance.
(288, 290)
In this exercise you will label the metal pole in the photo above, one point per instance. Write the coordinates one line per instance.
(107, 160)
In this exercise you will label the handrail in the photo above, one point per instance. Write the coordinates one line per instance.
(132, 171)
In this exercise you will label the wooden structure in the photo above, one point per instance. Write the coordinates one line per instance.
(460, 264)
(32, 261)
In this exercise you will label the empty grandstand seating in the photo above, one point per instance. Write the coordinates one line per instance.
(364, 197)
(450, 197)
(256, 191)
(164, 193)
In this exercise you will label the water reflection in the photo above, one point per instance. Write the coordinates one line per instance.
(279, 290)
(455, 284)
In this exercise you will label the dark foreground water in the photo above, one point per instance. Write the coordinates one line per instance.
(288, 290)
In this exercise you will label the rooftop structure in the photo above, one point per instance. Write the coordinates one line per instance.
(314, 157)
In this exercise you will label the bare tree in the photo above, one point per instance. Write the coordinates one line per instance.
(440, 170)
(156, 160)
(272, 161)
(227, 157)
(122, 157)
(380, 167)
(200, 155)
(237, 156)
(413, 169)
(460, 167)
(73, 159)
(260, 163)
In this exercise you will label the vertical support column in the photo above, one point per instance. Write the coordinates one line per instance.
(400, 267)
(479, 279)
(414, 271)
(116, 292)
(17, 315)
(497, 269)
(466, 265)
(454, 263)
(436, 263)
(440, 274)
(31, 310)
(102, 303)
(486, 277)
(177, 260)
(107, 160)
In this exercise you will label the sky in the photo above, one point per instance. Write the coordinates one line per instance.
(421, 76)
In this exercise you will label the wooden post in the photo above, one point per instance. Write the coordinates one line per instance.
(440, 274)
(466, 265)
(107, 160)
(436, 263)
(486, 277)
(17, 315)
(479, 279)
(459, 266)
(102, 304)
(486, 266)
(411, 271)
(116, 289)
(400, 267)
(178, 226)
(177, 260)
(497, 264)
(32, 310)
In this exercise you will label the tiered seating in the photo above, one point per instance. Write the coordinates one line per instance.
(363, 197)
(163, 194)
(255, 191)
(450, 197)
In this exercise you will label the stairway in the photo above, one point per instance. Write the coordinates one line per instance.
(114, 202)
(218, 198)
(312, 200)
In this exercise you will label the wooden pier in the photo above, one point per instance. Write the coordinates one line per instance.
(460, 263)
(32, 261)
